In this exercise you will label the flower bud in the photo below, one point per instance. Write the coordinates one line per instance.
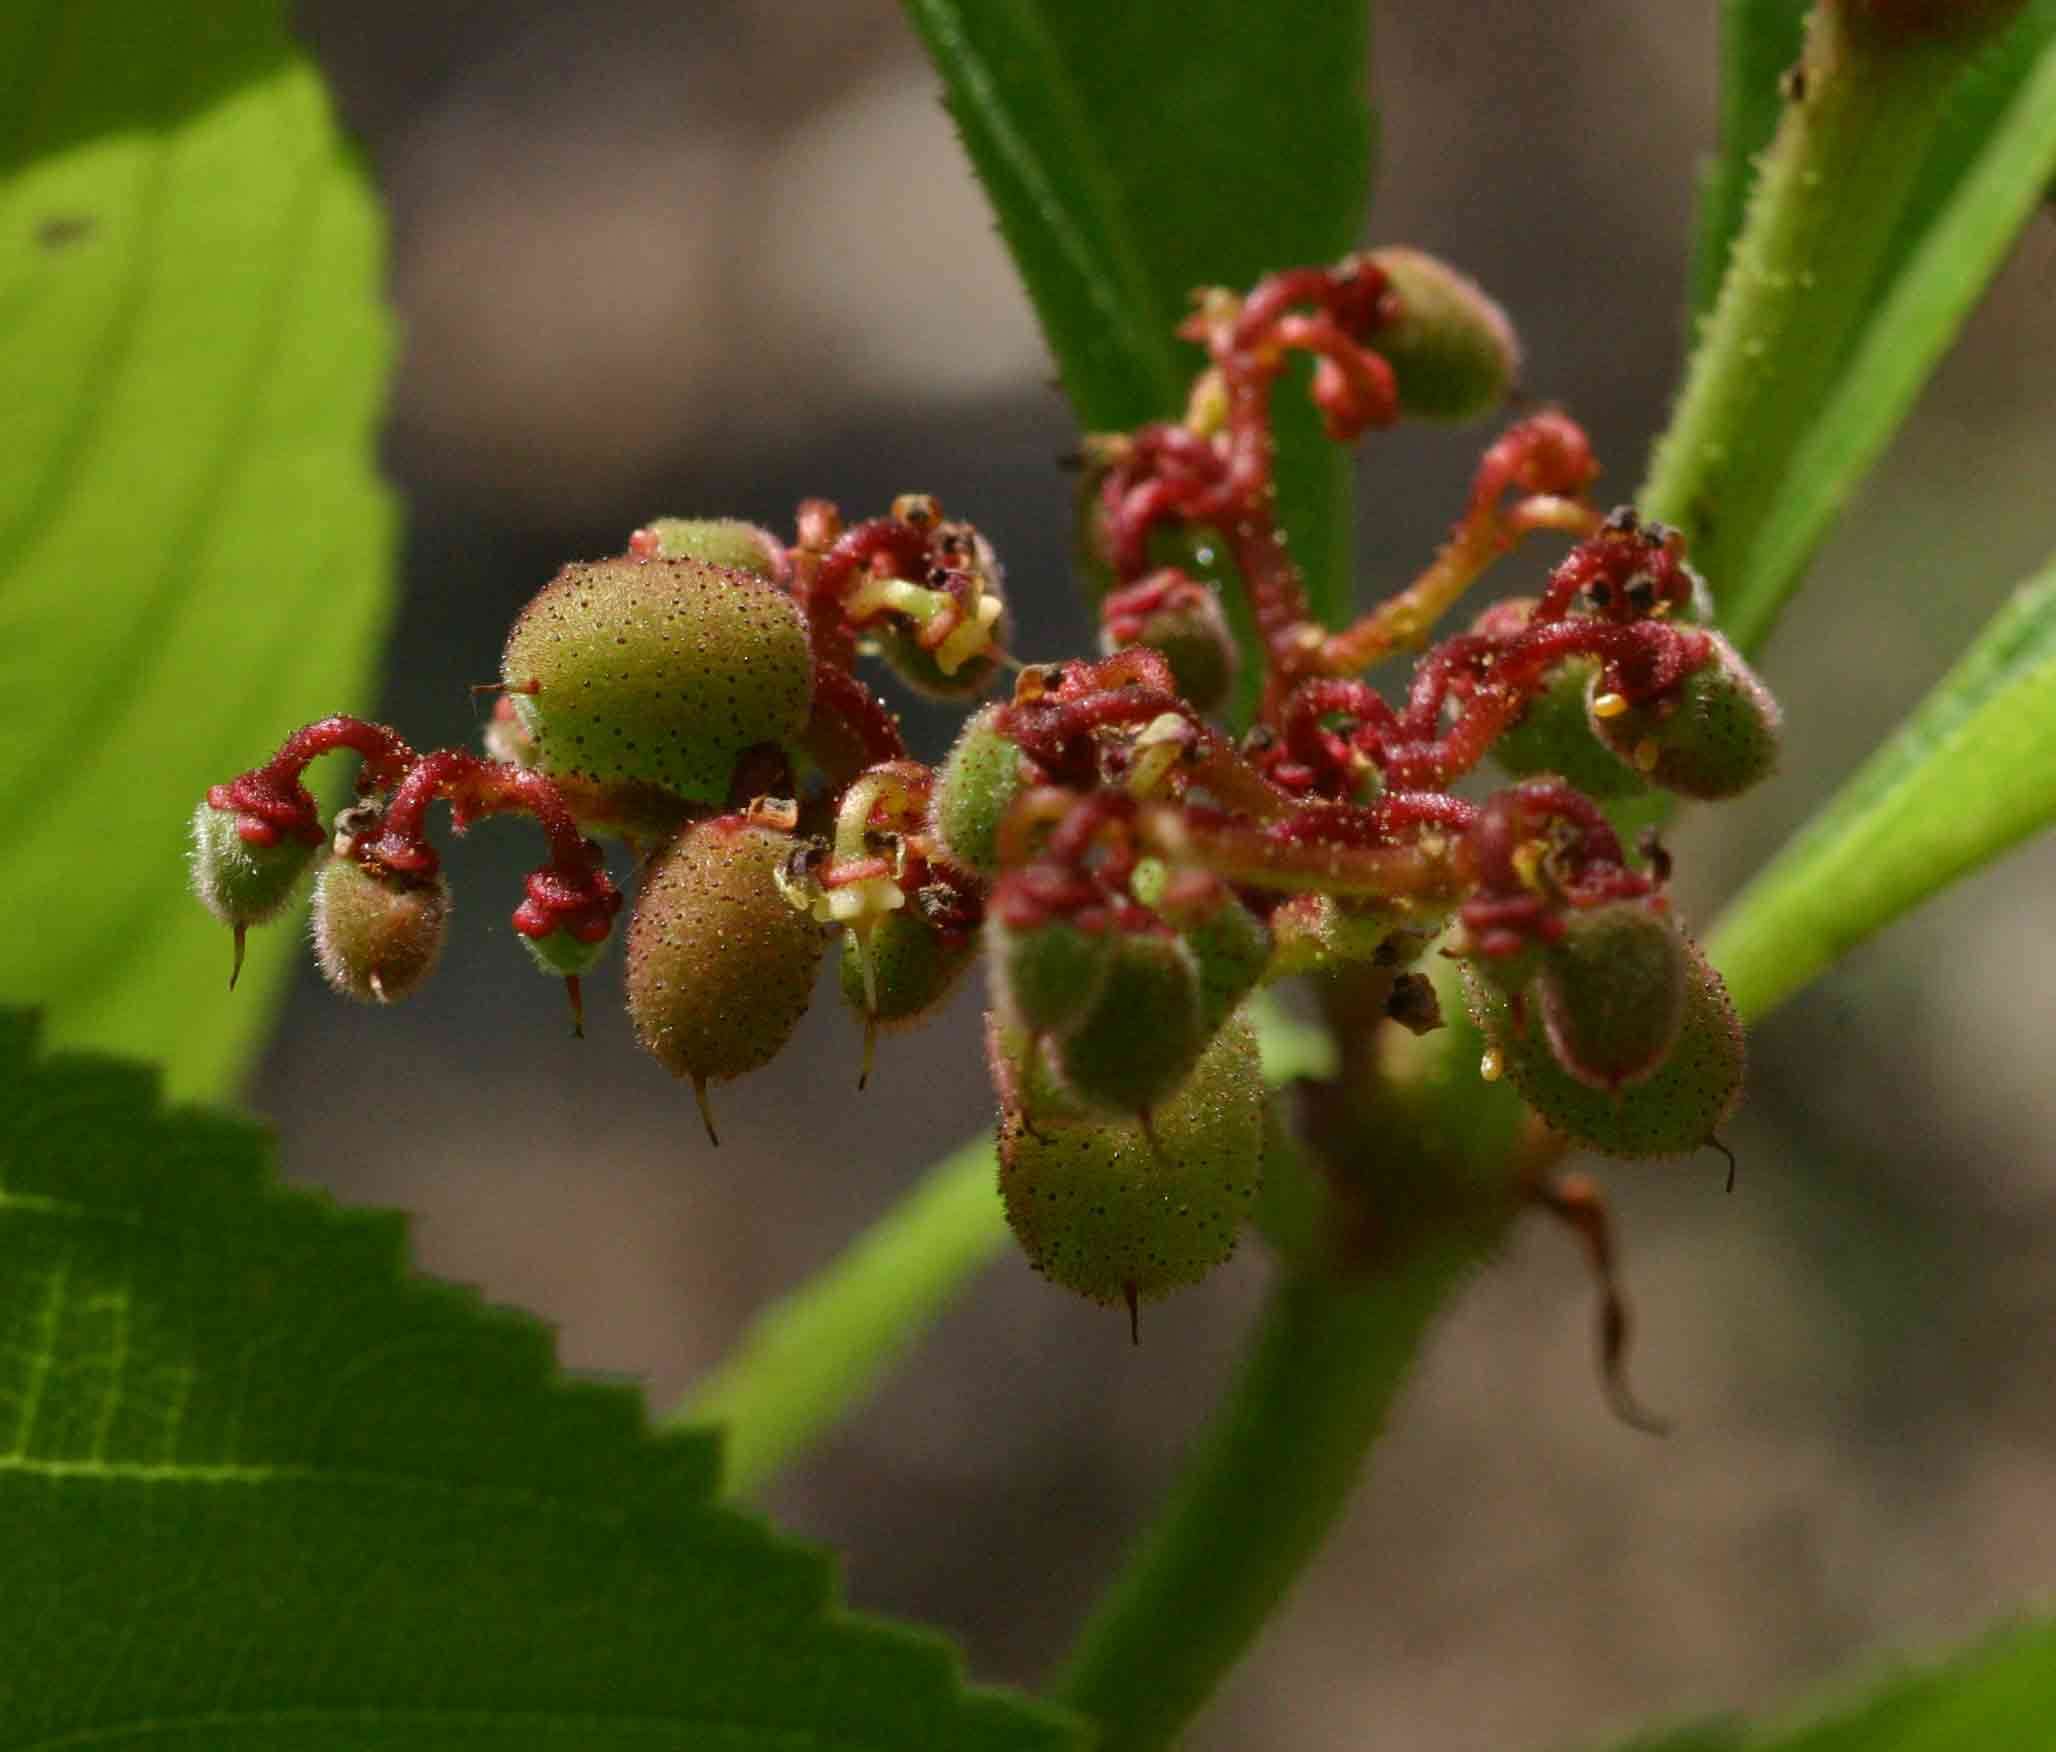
(1714, 735)
(660, 671)
(977, 785)
(1672, 1111)
(720, 964)
(377, 933)
(246, 877)
(1140, 1036)
(717, 541)
(1452, 350)
(1123, 1216)
(1612, 992)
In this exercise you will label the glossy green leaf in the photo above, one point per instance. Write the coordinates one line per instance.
(1971, 773)
(1759, 40)
(1131, 157)
(262, 1488)
(1958, 240)
(194, 548)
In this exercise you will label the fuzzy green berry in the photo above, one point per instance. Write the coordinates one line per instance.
(1554, 735)
(913, 967)
(1045, 976)
(246, 880)
(1673, 1111)
(1123, 1216)
(978, 784)
(1612, 993)
(719, 541)
(1142, 1033)
(1192, 633)
(1452, 349)
(658, 671)
(1714, 735)
(720, 964)
(377, 933)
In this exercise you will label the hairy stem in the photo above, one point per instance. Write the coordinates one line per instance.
(1799, 287)
(810, 1358)
(1269, 1479)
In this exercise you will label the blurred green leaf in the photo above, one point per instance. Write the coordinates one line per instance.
(194, 548)
(259, 1487)
(1759, 40)
(1945, 258)
(1131, 157)
(1970, 774)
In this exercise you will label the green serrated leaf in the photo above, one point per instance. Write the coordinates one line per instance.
(1131, 158)
(1759, 40)
(194, 548)
(1970, 774)
(259, 1487)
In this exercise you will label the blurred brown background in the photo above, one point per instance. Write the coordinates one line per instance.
(661, 258)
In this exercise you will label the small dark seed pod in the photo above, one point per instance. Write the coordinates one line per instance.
(377, 934)
(720, 964)
(1119, 1216)
(658, 671)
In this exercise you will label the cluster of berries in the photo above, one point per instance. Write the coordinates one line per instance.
(1130, 871)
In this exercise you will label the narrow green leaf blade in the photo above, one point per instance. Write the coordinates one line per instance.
(1970, 774)
(1130, 160)
(194, 548)
(260, 1487)
(1759, 40)
(1934, 290)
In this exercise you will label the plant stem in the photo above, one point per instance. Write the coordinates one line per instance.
(812, 1356)
(1271, 1475)
(1798, 291)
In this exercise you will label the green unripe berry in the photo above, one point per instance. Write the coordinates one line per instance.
(1120, 1216)
(1046, 976)
(1713, 736)
(659, 671)
(918, 668)
(562, 954)
(978, 784)
(1673, 1111)
(1612, 993)
(720, 964)
(719, 541)
(240, 882)
(913, 967)
(1143, 1031)
(1194, 639)
(1554, 735)
(1231, 947)
(377, 934)
(1452, 350)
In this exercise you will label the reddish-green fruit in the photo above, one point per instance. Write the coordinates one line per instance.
(240, 881)
(978, 784)
(1194, 638)
(1045, 977)
(1612, 993)
(720, 964)
(377, 934)
(719, 541)
(1121, 1216)
(1673, 1111)
(1143, 1032)
(1452, 350)
(562, 954)
(1712, 736)
(913, 967)
(659, 671)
